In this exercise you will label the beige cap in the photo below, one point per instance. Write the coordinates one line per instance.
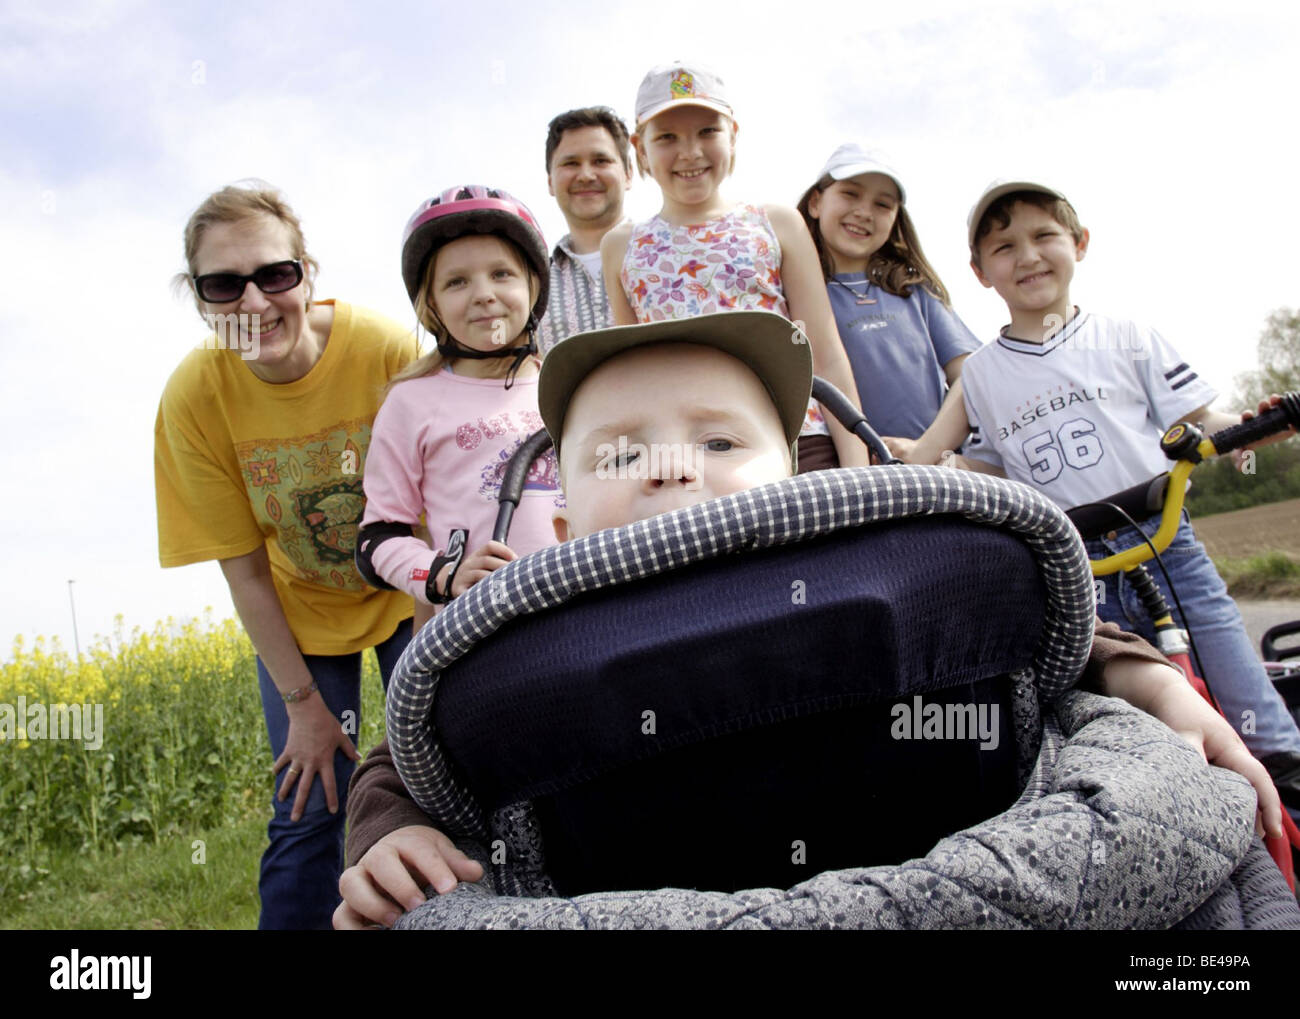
(680, 85)
(996, 190)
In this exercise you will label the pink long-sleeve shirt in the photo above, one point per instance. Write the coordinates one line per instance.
(439, 447)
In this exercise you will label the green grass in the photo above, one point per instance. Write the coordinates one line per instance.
(102, 836)
(1271, 575)
(146, 886)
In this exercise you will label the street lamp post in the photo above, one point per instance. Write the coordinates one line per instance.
(73, 602)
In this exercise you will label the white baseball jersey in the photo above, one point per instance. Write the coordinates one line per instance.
(1080, 416)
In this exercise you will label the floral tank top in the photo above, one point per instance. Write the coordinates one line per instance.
(732, 263)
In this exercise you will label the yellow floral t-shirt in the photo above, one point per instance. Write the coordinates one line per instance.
(239, 462)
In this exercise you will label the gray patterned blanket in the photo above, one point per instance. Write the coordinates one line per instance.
(1121, 826)
(1120, 823)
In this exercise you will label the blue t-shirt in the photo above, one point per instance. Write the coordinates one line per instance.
(898, 347)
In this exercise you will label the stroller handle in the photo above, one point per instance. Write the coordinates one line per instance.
(851, 418)
(512, 481)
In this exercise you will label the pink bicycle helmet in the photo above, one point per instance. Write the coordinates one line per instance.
(471, 209)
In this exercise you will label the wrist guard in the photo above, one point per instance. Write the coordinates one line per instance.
(456, 544)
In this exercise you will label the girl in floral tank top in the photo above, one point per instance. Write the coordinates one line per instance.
(703, 254)
(732, 263)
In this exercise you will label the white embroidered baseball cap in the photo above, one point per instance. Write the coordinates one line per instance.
(852, 160)
(680, 84)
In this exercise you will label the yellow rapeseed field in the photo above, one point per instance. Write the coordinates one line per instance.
(146, 735)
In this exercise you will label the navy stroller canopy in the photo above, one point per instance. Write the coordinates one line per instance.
(809, 693)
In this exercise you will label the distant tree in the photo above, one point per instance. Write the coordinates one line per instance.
(1216, 486)
(1279, 359)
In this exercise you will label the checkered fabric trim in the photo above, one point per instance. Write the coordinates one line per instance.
(803, 507)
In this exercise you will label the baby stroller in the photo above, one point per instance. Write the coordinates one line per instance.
(851, 685)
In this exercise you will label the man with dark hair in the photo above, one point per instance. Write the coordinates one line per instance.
(588, 169)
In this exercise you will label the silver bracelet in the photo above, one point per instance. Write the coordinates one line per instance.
(303, 692)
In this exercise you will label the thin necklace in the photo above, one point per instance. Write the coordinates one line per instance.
(861, 298)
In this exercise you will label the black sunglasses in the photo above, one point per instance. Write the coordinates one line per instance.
(224, 287)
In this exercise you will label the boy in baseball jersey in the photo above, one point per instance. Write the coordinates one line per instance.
(1073, 404)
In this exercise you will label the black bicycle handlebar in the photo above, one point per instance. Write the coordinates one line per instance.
(1183, 443)
(1093, 519)
(1275, 419)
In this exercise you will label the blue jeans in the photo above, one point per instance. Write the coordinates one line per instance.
(299, 883)
(1233, 670)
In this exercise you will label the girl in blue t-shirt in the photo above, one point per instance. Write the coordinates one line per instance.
(904, 342)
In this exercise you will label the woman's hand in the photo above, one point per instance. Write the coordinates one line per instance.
(314, 732)
(382, 884)
(314, 735)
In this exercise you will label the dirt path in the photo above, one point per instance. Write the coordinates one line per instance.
(1247, 532)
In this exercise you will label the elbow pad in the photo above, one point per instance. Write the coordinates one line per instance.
(369, 538)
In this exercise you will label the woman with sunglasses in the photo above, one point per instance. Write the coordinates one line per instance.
(259, 446)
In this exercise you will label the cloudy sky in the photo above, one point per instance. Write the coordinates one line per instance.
(1170, 126)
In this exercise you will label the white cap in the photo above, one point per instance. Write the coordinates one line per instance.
(996, 190)
(680, 84)
(852, 160)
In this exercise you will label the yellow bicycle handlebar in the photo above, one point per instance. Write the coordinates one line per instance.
(1169, 517)
(1184, 444)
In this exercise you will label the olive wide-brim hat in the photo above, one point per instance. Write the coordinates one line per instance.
(772, 347)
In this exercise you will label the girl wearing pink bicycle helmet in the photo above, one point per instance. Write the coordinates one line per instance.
(475, 267)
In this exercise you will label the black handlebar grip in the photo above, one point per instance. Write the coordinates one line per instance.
(1272, 421)
(851, 418)
(512, 480)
